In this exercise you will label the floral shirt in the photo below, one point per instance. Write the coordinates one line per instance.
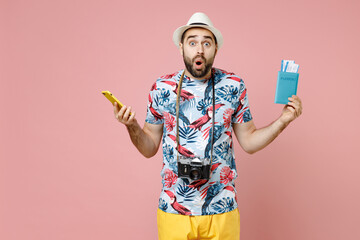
(199, 197)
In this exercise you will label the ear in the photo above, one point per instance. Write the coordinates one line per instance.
(181, 46)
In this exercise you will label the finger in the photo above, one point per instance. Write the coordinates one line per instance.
(291, 109)
(300, 111)
(122, 111)
(132, 117)
(114, 107)
(116, 110)
(297, 102)
(294, 105)
(293, 99)
(289, 106)
(127, 113)
(120, 114)
(117, 116)
(296, 98)
(297, 108)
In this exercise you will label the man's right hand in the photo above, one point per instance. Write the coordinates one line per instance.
(146, 140)
(123, 115)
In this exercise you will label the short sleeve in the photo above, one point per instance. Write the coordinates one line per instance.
(242, 112)
(154, 114)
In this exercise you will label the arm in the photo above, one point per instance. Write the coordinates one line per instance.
(146, 140)
(253, 140)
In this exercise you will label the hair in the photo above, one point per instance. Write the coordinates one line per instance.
(183, 35)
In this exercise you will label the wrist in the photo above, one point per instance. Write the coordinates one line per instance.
(132, 125)
(282, 123)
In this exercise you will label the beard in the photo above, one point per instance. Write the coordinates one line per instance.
(198, 73)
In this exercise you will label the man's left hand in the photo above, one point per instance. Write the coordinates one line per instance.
(292, 110)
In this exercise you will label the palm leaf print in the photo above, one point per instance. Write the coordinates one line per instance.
(224, 205)
(228, 93)
(186, 192)
(188, 134)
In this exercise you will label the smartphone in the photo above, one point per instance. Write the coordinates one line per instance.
(112, 98)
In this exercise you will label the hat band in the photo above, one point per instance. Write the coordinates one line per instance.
(198, 24)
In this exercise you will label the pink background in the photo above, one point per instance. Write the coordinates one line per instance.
(69, 171)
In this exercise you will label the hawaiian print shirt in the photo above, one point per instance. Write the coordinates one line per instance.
(199, 197)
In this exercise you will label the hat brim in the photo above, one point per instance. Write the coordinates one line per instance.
(180, 31)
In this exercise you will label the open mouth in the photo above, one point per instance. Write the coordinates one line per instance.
(199, 63)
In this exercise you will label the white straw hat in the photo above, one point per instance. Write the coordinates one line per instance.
(198, 20)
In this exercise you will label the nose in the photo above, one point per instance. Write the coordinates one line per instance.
(200, 49)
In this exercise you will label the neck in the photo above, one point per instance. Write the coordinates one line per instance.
(207, 76)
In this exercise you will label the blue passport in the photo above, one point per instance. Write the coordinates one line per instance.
(287, 83)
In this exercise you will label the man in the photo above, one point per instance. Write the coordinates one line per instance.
(194, 112)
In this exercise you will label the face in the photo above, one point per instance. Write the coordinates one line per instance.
(198, 50)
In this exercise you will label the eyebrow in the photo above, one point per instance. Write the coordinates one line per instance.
(194, 36)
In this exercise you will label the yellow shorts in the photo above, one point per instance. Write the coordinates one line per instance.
(225, 226)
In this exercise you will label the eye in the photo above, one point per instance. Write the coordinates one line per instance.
(207, 44)
(192, 43)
